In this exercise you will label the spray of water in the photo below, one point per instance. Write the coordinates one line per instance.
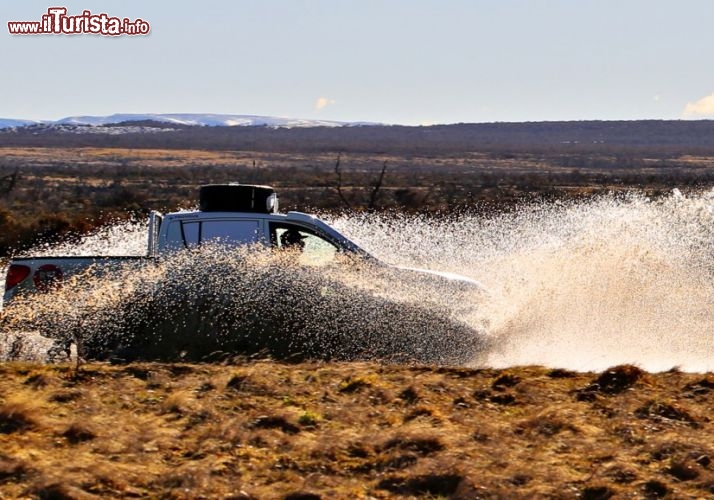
(202, 304)
(579, 285)
(126, 237)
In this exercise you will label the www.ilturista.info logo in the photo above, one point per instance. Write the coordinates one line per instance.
(57, 22)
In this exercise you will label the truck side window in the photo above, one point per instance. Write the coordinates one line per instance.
(316, 250)
(230, 232)
(190, 232)
(182, 235)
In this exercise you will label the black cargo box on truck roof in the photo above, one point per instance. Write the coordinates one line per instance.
(237, 198)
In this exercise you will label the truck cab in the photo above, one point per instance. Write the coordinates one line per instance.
(242, 215)
(188, 230)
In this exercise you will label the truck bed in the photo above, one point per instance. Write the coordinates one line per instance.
(33, 274)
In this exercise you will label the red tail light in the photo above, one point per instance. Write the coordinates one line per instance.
(16, 275)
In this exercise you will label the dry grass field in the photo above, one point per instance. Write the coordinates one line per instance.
(263, 429)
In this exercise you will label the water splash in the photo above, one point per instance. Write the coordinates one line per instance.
(216, 301)
(127, 237)
(582, 285)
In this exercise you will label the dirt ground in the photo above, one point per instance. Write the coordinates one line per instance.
(263, 429)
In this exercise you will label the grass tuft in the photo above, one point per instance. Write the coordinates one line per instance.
(177, 402)
(423, 445)
(505, 380)
(138, 372)
(275, 422)
(419, 411)
(302, 495)
(561, 373)
(409, 395)
(309, 419)
(683, 470)
(700, 387)
(79, 432)
(350, 384)
(65, 396)
(655, 489)
(38, 380)
(17, 416)
(237, 382)
(659, 410)
(429, 484)
(12, 469)
(597, 493)
(546, 425)
(619, 378)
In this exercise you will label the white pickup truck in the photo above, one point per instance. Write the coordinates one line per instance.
(286, 311)
(229, 214)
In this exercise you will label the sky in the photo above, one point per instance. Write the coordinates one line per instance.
(406, 62)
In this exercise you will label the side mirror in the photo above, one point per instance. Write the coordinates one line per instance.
(271, 203)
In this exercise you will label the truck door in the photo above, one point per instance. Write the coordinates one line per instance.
(315, 249)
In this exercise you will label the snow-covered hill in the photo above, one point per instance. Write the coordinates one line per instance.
(184, 119)
(9, 122)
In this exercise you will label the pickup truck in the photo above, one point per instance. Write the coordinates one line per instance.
(229, 214)
(299, 310)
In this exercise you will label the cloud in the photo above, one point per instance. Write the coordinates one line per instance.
(702, 107)
(323, 102)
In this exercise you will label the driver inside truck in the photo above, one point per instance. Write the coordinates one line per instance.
(292, 239)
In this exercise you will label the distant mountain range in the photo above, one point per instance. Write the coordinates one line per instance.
(260, 133)
(184, 119)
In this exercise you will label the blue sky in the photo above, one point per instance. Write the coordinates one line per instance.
(391, 61)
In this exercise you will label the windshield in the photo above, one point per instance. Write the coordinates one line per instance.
(311, 248)
(340, 239)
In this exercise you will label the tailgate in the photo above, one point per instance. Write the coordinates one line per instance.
(28, 275)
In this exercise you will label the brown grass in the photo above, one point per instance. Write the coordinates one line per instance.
(263, 429)
(17, 415)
